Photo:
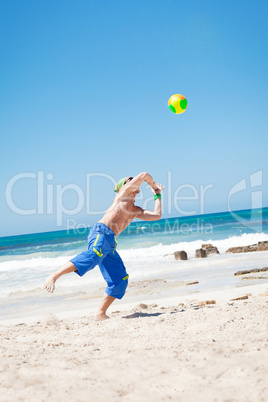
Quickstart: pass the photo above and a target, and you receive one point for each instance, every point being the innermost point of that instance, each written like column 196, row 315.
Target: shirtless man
column 102, row 240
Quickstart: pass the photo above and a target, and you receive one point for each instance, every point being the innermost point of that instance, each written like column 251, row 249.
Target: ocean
column 147, row 251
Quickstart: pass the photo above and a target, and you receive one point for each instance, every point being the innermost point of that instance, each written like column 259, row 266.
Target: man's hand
column 157, row 188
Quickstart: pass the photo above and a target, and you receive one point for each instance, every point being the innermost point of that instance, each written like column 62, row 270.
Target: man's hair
column 128, row 179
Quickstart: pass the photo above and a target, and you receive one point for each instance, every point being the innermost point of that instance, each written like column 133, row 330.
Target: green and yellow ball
column 177, row 103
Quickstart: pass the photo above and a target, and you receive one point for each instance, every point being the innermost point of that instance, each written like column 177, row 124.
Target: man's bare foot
column 49, row 284
column 101, row 317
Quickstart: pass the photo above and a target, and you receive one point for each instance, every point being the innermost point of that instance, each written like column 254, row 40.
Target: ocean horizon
column 196, row 223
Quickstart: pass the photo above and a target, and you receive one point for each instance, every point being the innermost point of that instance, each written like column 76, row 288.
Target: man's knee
column 85, row 261
column 117, row 290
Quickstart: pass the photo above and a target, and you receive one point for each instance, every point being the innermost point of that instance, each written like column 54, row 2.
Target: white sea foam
column 190, row 247
column 33, row 263
column 28, row 274
column 133, row 254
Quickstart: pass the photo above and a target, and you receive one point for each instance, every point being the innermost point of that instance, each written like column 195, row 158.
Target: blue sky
column 84, row 89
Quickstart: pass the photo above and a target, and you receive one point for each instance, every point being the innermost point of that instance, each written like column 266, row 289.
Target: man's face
column 134, row 192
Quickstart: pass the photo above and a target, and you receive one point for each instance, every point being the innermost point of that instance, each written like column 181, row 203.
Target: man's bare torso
column 121, row 213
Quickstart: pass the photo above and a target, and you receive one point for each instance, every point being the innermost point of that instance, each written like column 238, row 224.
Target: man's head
column 121, row 182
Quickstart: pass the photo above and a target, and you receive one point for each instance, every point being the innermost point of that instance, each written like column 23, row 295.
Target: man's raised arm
column 138, row 180
column 156, row 214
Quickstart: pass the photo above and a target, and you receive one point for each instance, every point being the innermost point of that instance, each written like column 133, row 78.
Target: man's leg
column 81, row 263
column 49, row 284
column 106, row 302
column 114, row 272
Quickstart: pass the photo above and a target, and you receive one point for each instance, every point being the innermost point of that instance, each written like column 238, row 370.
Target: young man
column 102, row 240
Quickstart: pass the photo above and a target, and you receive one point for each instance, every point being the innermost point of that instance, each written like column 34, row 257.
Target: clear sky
column 84, row 89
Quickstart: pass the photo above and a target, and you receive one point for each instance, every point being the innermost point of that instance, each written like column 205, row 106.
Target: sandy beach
column 176, row 349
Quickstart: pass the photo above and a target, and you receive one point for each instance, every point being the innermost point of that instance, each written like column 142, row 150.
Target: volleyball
column 177, row 103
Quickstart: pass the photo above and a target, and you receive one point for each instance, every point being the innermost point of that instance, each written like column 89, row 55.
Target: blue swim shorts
column 102, row 252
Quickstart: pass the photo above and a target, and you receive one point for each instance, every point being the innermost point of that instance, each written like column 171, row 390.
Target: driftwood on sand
column 249, row 271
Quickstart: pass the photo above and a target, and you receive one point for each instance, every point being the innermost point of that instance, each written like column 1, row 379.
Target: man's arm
column 137, row 181
column 147, row 215
column 156, row 214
